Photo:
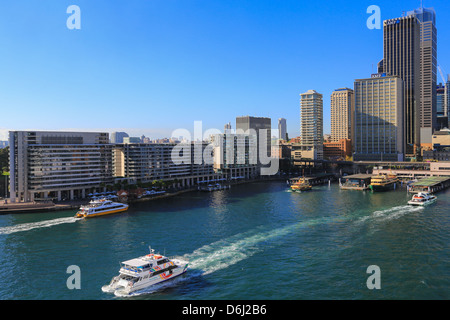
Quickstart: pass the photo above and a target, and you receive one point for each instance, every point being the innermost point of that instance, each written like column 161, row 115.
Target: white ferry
column 100, row 207
column 143, row 272
column 422, row 199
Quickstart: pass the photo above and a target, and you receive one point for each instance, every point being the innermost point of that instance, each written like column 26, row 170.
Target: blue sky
column 153, row 66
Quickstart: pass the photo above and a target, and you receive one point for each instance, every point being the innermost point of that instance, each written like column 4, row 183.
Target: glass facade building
column 379, row 119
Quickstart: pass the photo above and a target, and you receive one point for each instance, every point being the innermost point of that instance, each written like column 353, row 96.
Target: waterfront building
column 282, row 129
column 402, row 58
column 341, row 114
column 235, row 155
column 379, row 119
column 58, row 165
column 117, row 137
column 340, row 150
column 311, row 123
column 428, row 72
column 256, row 126
column 185, row 163
column 440, row 146
column 282, row 151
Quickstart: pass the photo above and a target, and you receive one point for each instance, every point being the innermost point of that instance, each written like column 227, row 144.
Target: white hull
column 123, row 285
column 424, row 203
column 120, row 290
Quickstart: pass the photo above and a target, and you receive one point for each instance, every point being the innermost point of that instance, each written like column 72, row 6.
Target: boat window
column 163, row 261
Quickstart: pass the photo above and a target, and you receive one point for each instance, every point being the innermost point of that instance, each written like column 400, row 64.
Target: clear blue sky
column 152, row 66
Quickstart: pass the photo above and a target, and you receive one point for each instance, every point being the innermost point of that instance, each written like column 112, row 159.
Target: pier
column 430, row 185
column 355, row 182
column 317, row 179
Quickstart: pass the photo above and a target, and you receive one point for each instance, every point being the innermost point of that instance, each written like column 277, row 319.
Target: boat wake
column 227, row 252
column 391, row 213
column 37, row 225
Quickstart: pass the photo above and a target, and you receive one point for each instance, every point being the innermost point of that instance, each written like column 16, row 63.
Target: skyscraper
column 428, row 72
column 378, row 132
column 227, row 128
column 402, row 58
column 341, row 114
column 247, row 123
column 282, row 130
column 311, row 122
column 443, row 105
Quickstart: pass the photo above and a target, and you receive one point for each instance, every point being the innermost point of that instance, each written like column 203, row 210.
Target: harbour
column 323, row 240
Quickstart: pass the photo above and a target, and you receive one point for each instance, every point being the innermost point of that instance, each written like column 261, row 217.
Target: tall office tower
column 447, row 98
column 227, row 128
column 402, row 59
column 243, row 124
column 442, row 106
column 341, row 114
column 117, row 137
column 311, row 123
column 428, row 72
column 282, row 129
column 378, row 133
column 51, row 164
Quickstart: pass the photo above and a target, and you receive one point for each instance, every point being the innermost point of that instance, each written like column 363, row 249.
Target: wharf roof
column 430, row 181
column 358, row 176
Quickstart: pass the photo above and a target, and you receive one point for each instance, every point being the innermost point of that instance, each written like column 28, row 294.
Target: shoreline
column 28, row 207
column 18, row 208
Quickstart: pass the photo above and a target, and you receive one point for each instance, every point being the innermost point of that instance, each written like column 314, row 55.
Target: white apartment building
column 57, row 165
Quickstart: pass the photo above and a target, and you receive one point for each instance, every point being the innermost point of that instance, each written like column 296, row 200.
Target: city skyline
column 105, row 87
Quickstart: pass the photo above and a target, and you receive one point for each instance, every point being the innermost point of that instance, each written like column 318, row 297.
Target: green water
column 255, row 241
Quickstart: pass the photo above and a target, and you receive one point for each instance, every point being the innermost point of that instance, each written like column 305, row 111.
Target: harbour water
column 254, row 241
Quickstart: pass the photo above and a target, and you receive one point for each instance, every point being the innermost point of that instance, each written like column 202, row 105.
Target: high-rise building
column 117, row 137
column 447, row 99
column 378, row 133
column 282, row 129
column 341, row 114
column 246, row 124
column 402, row 52
column 235, row 155
column 428, row 72
column 51, row 164
column 227, row 128
column 311, row 123
column 442, row 106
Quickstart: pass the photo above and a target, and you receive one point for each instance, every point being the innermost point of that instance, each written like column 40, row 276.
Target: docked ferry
column 383, row 182
column 143, row 272
column 301, row 185
column 422, row 199
column 100, row 207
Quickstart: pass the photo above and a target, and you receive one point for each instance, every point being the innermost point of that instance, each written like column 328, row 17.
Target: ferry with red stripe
column 143, row 272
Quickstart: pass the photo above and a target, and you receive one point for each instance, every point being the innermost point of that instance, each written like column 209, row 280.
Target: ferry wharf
column 430, row 185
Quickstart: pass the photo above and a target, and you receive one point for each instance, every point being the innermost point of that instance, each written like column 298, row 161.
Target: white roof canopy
column 135, row 262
